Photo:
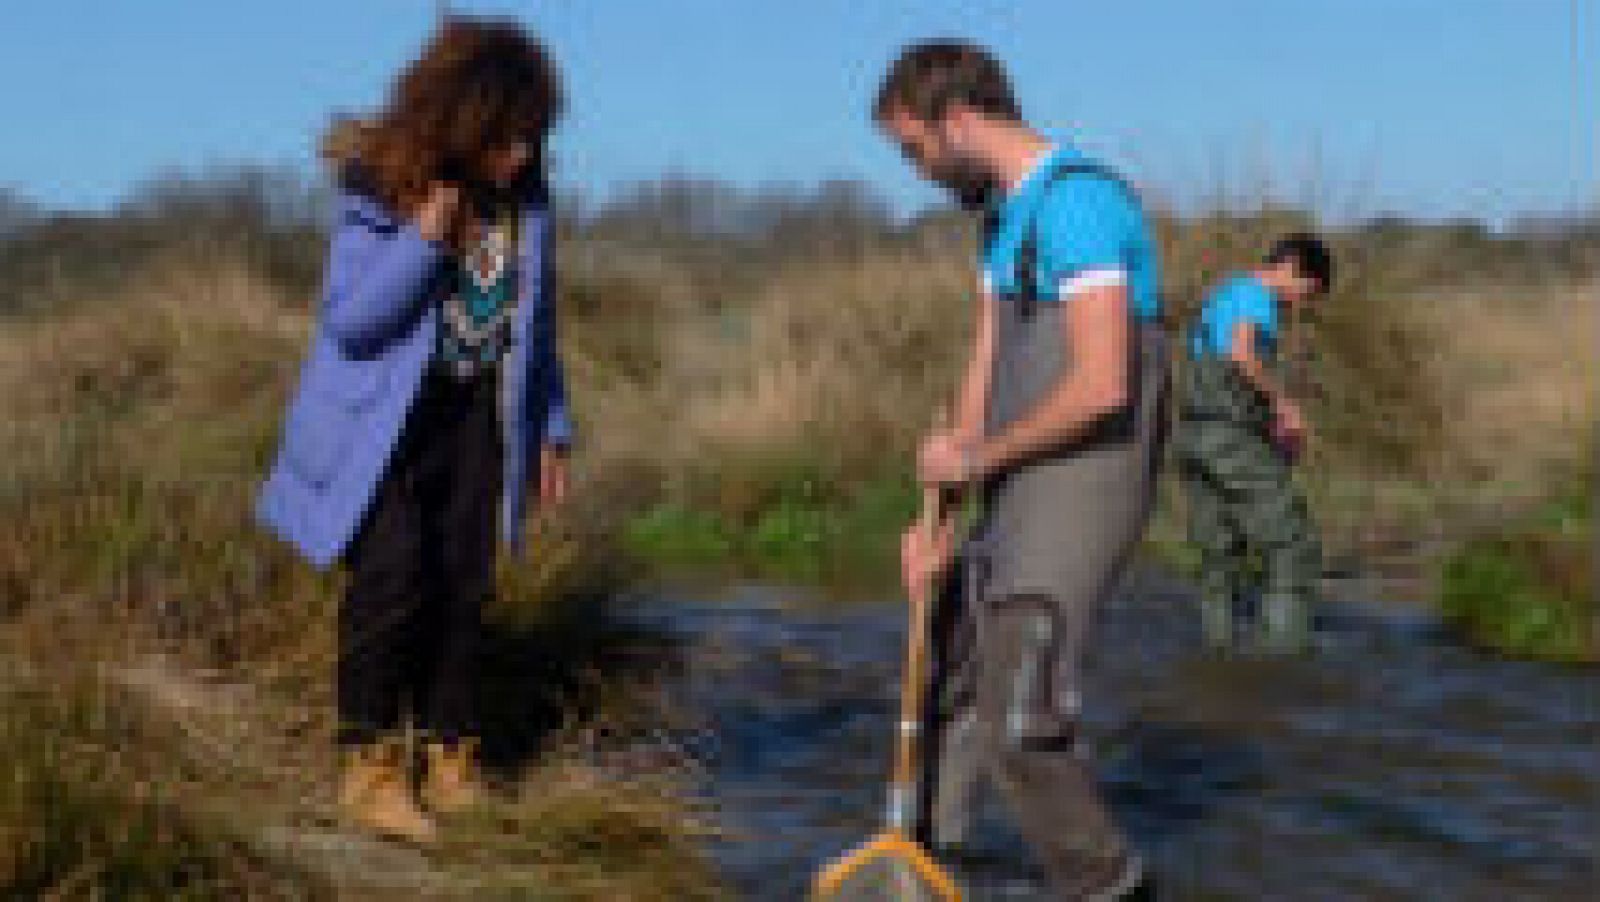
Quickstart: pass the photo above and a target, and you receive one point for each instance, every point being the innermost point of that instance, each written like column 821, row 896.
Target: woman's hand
column 436, row 218
column 553, row 475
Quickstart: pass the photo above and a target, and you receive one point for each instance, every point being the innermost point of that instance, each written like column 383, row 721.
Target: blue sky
column 1428, row 107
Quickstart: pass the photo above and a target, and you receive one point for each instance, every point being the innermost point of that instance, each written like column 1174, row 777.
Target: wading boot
column 1285, row 625
column 1216, row 622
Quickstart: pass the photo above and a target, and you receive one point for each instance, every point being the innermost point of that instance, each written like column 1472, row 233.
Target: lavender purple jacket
column 375, row 332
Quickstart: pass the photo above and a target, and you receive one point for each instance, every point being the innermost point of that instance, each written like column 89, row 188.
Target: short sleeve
column 1083, row 236
column 1217, row 320
column 1253, row 305
column 1243, row 301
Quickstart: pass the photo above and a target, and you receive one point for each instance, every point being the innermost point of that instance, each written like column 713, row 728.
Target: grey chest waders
column 1052, row 539
column 1052, row 518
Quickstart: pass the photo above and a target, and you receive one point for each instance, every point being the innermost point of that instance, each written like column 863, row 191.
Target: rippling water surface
column 1394, row 765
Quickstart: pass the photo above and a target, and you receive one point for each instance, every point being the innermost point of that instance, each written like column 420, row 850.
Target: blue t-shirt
column 1090, row 232
column 1241, row 299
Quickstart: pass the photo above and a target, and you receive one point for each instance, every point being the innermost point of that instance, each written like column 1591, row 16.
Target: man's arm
column 1290, row 423
column 1242, row 352
column 972, row 397
column 1096, row 330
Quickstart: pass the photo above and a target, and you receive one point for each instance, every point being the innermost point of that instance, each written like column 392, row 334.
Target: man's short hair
column 930, row 76
column 1310, row 254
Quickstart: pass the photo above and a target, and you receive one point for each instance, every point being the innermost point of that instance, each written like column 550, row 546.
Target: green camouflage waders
column 1246, row 516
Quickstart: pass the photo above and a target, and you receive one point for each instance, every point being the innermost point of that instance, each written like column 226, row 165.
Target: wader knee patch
column 1034, row 709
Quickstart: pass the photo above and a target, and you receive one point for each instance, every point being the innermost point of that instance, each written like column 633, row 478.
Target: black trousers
column 421, row 568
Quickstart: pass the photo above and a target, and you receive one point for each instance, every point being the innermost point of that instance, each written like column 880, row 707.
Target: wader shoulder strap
column 1026, row 274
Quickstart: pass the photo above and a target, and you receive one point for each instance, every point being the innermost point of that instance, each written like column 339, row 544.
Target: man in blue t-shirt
column 1057, row 424
column 1239, row 433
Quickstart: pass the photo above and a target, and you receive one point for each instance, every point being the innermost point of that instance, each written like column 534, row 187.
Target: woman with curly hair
column 430, row 400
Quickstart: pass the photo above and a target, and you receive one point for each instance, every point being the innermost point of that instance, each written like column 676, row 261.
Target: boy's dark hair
column 931, row 75
column 1310, row 254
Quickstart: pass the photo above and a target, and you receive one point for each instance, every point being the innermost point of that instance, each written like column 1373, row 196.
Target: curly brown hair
column 479, row 85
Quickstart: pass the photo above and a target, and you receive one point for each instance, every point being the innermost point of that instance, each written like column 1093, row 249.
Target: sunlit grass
column 168, row 732
column 1529, row 589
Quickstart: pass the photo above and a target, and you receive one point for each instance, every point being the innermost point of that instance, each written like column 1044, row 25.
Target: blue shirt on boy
column 1241, row 299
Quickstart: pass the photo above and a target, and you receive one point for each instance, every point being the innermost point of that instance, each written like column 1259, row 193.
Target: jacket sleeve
column 544, row 359
column 376, row 277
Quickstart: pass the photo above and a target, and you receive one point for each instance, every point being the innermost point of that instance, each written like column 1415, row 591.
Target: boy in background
column 1238, row 436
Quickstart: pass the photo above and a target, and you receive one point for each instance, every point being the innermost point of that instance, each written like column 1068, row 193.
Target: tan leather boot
column 375, row 793
column 451, row 780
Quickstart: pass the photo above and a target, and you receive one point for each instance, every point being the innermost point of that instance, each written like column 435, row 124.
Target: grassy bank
column 801, row 535
column 167, row 721
column 1529, row 589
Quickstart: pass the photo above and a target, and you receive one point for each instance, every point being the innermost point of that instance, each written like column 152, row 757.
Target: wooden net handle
column 913, row 676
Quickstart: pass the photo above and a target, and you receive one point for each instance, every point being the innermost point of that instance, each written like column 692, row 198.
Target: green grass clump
column 842, row 536
column 1530, row 591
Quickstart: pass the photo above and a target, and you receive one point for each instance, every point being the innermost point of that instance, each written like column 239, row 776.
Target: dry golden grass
column 1518, row 365
column 839, row 362
column 703, row 394
column 174, row 663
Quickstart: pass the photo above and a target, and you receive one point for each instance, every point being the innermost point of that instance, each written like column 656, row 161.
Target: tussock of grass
column 91, row 805
column 1529, row 589
column 579, row 833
